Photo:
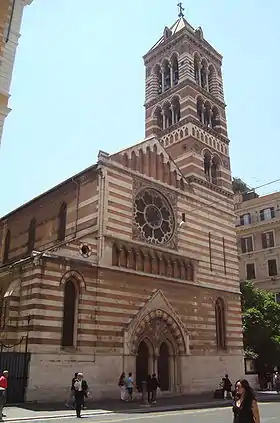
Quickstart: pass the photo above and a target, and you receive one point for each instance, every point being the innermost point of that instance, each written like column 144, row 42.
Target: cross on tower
column 180, row 10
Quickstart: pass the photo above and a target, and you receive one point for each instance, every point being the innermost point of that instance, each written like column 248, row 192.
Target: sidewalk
column 29, row 412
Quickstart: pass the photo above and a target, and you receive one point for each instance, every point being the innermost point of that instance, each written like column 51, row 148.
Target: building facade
column 132, row 264
column 11, row 12
column 258, row 238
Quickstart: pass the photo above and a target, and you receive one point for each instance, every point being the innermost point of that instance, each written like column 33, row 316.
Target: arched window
column 159, row 117
column 158, row 75
column 176, row 109
column 141, row 161
column 215, row 117
column 207, row 114
column 141, row 262
column 61, row 232
column 212, row 79
column 197, row 68
column 69, row 314
column 31, row 236
column 207, row 165
column 125, row 160
column 7, row 245
column 167, row 115
column 203, row 75
column 199, row 108
column 220, row 324
column 175, row 70
column 215, row 170
column 115, row 255
column 132, row 259
column 133, row 161
column 166, row 76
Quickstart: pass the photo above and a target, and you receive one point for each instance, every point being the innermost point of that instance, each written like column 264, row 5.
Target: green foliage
column 261, row 325
column 239, row 186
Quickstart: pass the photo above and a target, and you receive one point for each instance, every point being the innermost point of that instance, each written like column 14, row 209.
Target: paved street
column 270, row 413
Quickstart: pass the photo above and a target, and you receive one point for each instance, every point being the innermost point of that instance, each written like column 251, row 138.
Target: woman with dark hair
column 245, row 408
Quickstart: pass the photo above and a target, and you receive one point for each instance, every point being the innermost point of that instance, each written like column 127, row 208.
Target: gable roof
column 150, row 143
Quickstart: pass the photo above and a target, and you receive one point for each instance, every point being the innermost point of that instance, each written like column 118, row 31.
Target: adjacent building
column 258, row 238
column 11, row 12
column 132, row 264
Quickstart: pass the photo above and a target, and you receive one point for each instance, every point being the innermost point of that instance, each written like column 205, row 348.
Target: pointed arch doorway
column 142, row 363
column 163, row 367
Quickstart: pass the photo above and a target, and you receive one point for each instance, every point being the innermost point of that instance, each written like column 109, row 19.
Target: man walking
column 3, row 389
column 80, row 387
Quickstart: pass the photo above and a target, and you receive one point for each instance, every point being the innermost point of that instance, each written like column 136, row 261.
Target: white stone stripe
column 123, row 220
column 84, row 203
column 123, row 202
column 113, row 209
column 116, row 227
column 82, row 220
column 119, row 174
column 121, row 184
column 113, row 190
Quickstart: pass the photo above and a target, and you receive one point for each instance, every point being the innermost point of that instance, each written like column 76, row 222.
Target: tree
column 239, row 186
column 261, row 326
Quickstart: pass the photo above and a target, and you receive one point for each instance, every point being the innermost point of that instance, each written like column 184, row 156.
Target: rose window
column 153, row 216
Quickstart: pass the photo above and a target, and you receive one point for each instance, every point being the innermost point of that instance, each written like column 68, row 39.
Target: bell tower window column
column 162, row 79
column 173, row 114
column 207, row 80
column 164, row 119
column 171, row 76
column 199, row 74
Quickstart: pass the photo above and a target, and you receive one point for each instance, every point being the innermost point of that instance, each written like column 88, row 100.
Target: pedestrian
column 71, row 400
column 3, row 392
column 245, row 406
column 155, row 386
column 129, row 386
column 227, row 385
column 79, row 387
column 149, row 388
column 122, row 386
column 277, row 382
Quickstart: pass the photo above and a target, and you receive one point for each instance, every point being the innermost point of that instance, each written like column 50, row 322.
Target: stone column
column 171, row 76
column 162, row 79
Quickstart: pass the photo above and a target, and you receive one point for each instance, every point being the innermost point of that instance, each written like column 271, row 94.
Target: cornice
column 261, row 224
column 196, row 122
column 183, row 84
column 210, row 186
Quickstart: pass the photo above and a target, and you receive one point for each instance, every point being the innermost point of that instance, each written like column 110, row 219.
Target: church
column 131, row 265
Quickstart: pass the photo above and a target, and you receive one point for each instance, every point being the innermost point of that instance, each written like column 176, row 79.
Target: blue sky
column 78, row 86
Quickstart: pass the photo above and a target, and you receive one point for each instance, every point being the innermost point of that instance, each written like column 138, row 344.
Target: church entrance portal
column 163, row 367
column 142, row 363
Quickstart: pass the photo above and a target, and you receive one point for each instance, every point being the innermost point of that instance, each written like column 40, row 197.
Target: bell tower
column 185, row 105
column 11, row 12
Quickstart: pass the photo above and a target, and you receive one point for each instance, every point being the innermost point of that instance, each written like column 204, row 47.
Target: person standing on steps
column 79, row 387
column 3, row 392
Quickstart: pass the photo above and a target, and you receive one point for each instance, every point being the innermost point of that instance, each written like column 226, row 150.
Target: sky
column 78, row 86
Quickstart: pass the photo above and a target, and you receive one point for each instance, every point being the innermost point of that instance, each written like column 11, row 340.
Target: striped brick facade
column 182, row 293
column 11, row 12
